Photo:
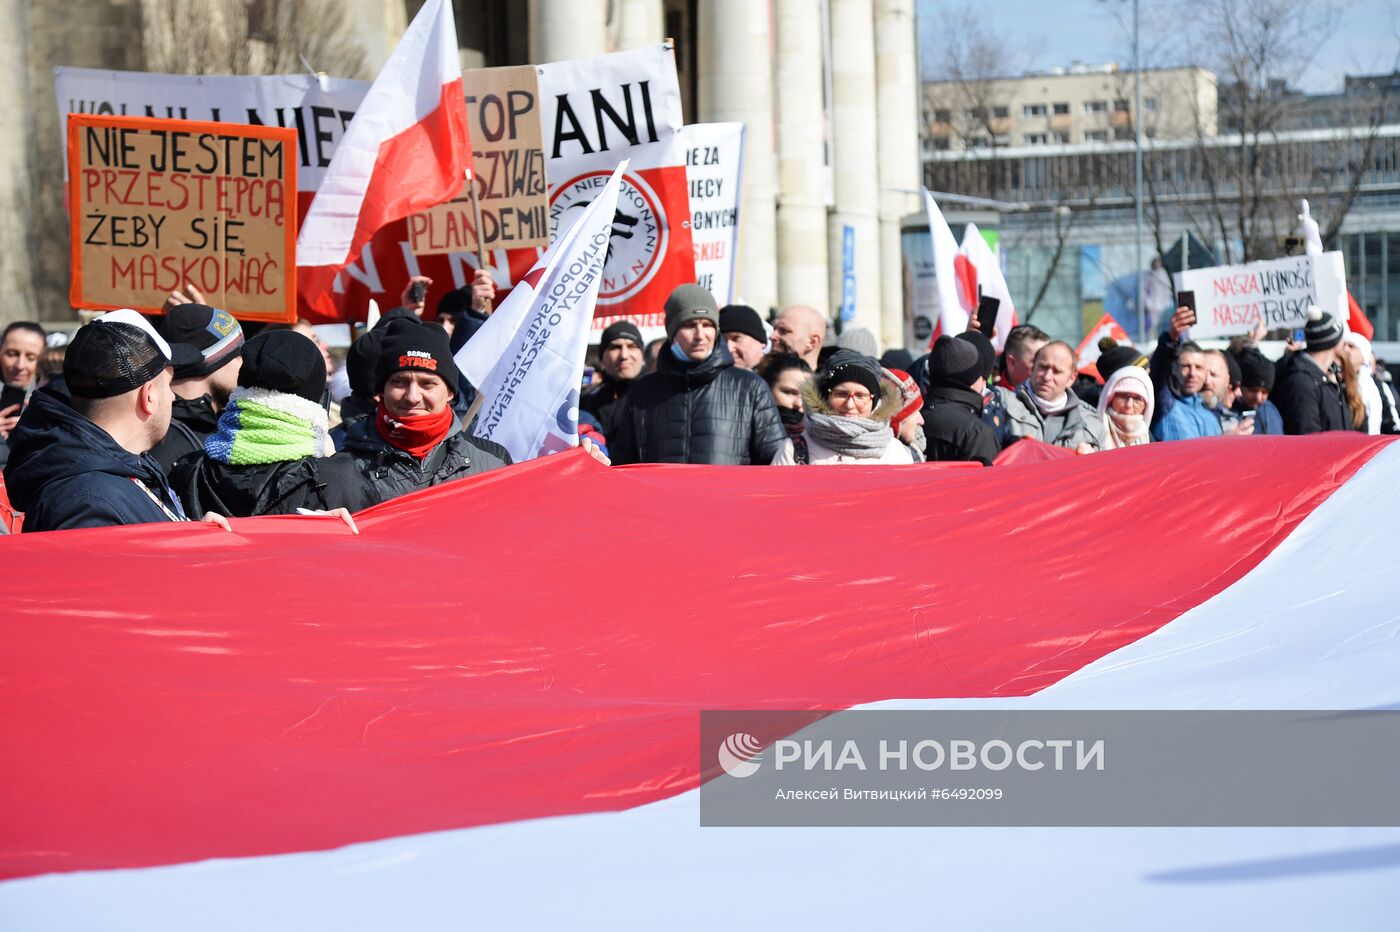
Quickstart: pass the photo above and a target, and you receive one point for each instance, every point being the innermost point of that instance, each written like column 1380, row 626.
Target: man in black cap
column 414, row 439
column 1308, row 390
column 272, row 453
column 743, row 332
column 697, row 407
column 202, row 387
column 84, row 461
column 953, row 404
column 621, row 361
column 1256, row 382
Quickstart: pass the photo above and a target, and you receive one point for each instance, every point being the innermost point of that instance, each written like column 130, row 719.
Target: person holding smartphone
column 1179, row 372
column 20, row 348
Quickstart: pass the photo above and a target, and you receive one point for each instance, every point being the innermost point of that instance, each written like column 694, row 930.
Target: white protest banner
column 595, row 113
column 1234, row 299
column 527, row 359
column 320, row 110
column 714, row 165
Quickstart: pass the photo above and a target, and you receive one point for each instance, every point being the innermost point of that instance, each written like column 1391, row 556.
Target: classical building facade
column 827, row 88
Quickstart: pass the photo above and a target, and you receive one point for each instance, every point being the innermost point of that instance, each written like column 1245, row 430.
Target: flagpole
column 481, row 251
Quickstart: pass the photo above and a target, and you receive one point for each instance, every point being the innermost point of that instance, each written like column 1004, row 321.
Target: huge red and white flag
column 527, row 359
column 250, row 744
column 407, row 149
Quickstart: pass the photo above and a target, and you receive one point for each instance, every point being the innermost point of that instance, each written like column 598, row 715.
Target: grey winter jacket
column 1079, row 424
column 392, row 472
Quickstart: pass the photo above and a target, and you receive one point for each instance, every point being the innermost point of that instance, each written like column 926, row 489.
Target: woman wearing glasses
column 849, row 405
column 1125, row 404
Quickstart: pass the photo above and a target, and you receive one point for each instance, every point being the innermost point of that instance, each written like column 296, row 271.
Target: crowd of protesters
column 146, row 419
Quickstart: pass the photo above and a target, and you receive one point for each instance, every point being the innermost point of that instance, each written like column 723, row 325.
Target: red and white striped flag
column 435, row 749
column 407, row 149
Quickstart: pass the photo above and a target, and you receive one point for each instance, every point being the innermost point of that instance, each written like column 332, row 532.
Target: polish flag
column 952, row 311
column 527, row 359
column 959, row 271
column 406, row 150
column 445, row 747
column 986, row 276
column 1088, row 352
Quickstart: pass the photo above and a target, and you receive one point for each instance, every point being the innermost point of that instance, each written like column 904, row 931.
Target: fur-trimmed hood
column 890, row 400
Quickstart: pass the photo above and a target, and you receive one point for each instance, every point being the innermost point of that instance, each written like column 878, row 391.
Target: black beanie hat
column 622, row 330
column 985, row 351
column 360, row 361
column 850, row 366
column 1322, row 330
column 1255, row 370
column 898, row 358
column 740, row 318
column 1113, row 356
column 413, row 346
column 1234, row 367
column 284, row 361
column 456, row 301
column 954, row 362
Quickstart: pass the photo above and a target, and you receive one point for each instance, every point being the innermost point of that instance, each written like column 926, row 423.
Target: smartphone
column 587, row 376
column 12, row 395
column 1300, row 336
column 1187, row 299
column 417, row 292
column 987, row 314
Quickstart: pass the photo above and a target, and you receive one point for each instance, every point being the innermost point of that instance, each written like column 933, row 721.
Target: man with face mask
column 697, row 407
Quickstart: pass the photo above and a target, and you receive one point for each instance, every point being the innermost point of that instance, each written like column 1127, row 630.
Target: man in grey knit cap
column 696, row 407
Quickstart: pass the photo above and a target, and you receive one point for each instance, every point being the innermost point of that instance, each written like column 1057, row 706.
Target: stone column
column 801, row 218
column 897, row 110
column 637, row 23
column 564, row 29
column 736, row 84
column 856, row 142
column 17, row 239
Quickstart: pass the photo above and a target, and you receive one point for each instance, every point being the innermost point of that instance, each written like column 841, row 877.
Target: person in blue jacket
column 1179, row 373
column 83, row 459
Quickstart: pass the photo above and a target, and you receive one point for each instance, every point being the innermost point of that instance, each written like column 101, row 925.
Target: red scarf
column 415, row 434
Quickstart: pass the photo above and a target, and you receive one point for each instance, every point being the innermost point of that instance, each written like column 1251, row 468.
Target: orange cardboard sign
column 156, row 204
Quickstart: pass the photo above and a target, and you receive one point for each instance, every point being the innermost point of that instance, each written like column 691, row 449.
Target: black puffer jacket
column 66, row 472
column 604, row 401
column 191, row 421
column 392, row 472
column 698, row 412
column 1308, row 402
column 953, row 426
column 319, row 483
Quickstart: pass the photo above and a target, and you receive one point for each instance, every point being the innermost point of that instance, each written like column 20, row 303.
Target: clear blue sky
column 1042, row 33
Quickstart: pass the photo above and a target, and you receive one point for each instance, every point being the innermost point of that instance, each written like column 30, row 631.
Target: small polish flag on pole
column 407, row 149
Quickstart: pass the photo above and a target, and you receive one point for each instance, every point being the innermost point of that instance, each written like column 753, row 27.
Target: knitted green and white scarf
column 262, row 426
